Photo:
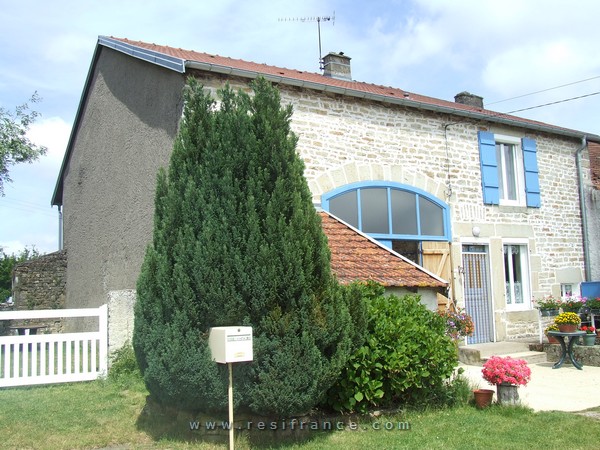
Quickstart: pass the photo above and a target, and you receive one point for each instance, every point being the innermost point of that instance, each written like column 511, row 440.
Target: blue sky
column 496, row 49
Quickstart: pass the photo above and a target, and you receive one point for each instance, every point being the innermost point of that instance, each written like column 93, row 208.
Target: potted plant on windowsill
column 572, row 304
column 567, row 322
column 593, row 304
column 548, row 305
column 507, row 374
column 590, row 338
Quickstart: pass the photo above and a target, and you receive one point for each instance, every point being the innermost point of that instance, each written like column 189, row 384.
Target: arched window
column 390, row 211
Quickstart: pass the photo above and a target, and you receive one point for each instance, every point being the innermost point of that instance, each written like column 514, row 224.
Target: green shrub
column 455, row 391
column 407, row 357
column 123, row 364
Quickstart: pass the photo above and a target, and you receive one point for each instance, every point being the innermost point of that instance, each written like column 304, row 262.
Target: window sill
column 513, row 209
column 522, row 314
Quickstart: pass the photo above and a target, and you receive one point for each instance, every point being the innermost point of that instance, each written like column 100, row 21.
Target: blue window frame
column 390, row 211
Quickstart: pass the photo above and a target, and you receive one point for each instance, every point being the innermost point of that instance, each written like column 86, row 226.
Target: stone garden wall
column 588, row 356
column 40, row 284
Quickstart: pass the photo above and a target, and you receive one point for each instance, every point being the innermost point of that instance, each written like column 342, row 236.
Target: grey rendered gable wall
column 128, row 125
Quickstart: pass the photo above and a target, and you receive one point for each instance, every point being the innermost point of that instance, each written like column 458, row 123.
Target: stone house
column 497, row 208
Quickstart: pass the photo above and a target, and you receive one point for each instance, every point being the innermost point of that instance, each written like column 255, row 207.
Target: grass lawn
column 102, row 414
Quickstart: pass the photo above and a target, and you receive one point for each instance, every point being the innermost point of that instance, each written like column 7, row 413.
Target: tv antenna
column 318, row 19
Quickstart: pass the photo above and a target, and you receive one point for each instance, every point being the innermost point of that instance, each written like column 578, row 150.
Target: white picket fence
column 54, row 358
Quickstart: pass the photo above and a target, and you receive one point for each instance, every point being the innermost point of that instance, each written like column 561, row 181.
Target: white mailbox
column 230, row 344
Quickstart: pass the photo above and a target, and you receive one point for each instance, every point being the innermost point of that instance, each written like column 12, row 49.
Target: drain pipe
column 60, row 228
column 582, row 207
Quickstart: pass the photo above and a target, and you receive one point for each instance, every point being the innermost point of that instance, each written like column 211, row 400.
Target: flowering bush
column 499, row 370
column 547, row 302
column 588, row 330
column 458, row 324
column 567, row 318
column 573, row 304
column 551, row 327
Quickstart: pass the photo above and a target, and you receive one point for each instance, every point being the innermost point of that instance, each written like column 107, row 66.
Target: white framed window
column 570, row 289
column 516, row 276
column 511, row 175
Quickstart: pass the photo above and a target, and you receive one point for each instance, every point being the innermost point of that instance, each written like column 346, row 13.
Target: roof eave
column 158, row 58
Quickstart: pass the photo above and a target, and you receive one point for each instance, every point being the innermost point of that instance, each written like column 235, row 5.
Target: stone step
column 532, row 357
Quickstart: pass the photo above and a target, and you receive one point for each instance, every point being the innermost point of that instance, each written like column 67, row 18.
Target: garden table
column 567, row 350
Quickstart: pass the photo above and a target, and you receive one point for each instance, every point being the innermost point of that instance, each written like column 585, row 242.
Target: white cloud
column 52, row 133
column 27, row 218
column 68, row 48
column 536, row 66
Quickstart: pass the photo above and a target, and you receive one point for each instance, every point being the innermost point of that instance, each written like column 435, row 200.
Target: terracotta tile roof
column 297, row 77
column 355, row 256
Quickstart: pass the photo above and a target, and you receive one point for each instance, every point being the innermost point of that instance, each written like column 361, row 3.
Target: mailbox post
column 228, row 345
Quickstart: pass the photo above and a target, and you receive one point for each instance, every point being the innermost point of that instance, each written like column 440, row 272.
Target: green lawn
column 105, row 413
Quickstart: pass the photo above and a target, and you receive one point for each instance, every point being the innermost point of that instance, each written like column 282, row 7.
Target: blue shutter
column 489, row 168
column 532, row 179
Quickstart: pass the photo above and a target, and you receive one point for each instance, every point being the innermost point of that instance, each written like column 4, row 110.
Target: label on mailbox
column 245, row 337
column 231, row 344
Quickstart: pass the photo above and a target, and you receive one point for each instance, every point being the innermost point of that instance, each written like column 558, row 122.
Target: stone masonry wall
column 518, row 328
column 344, row 141
column 40, row 284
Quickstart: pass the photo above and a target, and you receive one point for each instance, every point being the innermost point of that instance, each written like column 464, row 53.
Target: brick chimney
column 337, row 65
column 466, row 98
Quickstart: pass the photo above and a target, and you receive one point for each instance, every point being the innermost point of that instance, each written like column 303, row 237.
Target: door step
column 531, row 357
column 477, row 354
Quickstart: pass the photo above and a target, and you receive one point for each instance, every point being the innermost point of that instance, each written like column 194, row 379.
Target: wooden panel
column 436, row 259
column 444, row 303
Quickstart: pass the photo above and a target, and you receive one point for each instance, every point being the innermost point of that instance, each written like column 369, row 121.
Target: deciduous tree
column 7, row 264
column 15, row 146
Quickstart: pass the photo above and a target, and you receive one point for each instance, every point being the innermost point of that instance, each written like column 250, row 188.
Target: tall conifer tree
column 237, row 241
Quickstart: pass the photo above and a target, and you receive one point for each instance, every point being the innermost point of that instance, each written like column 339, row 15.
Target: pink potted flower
column 507, row 374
